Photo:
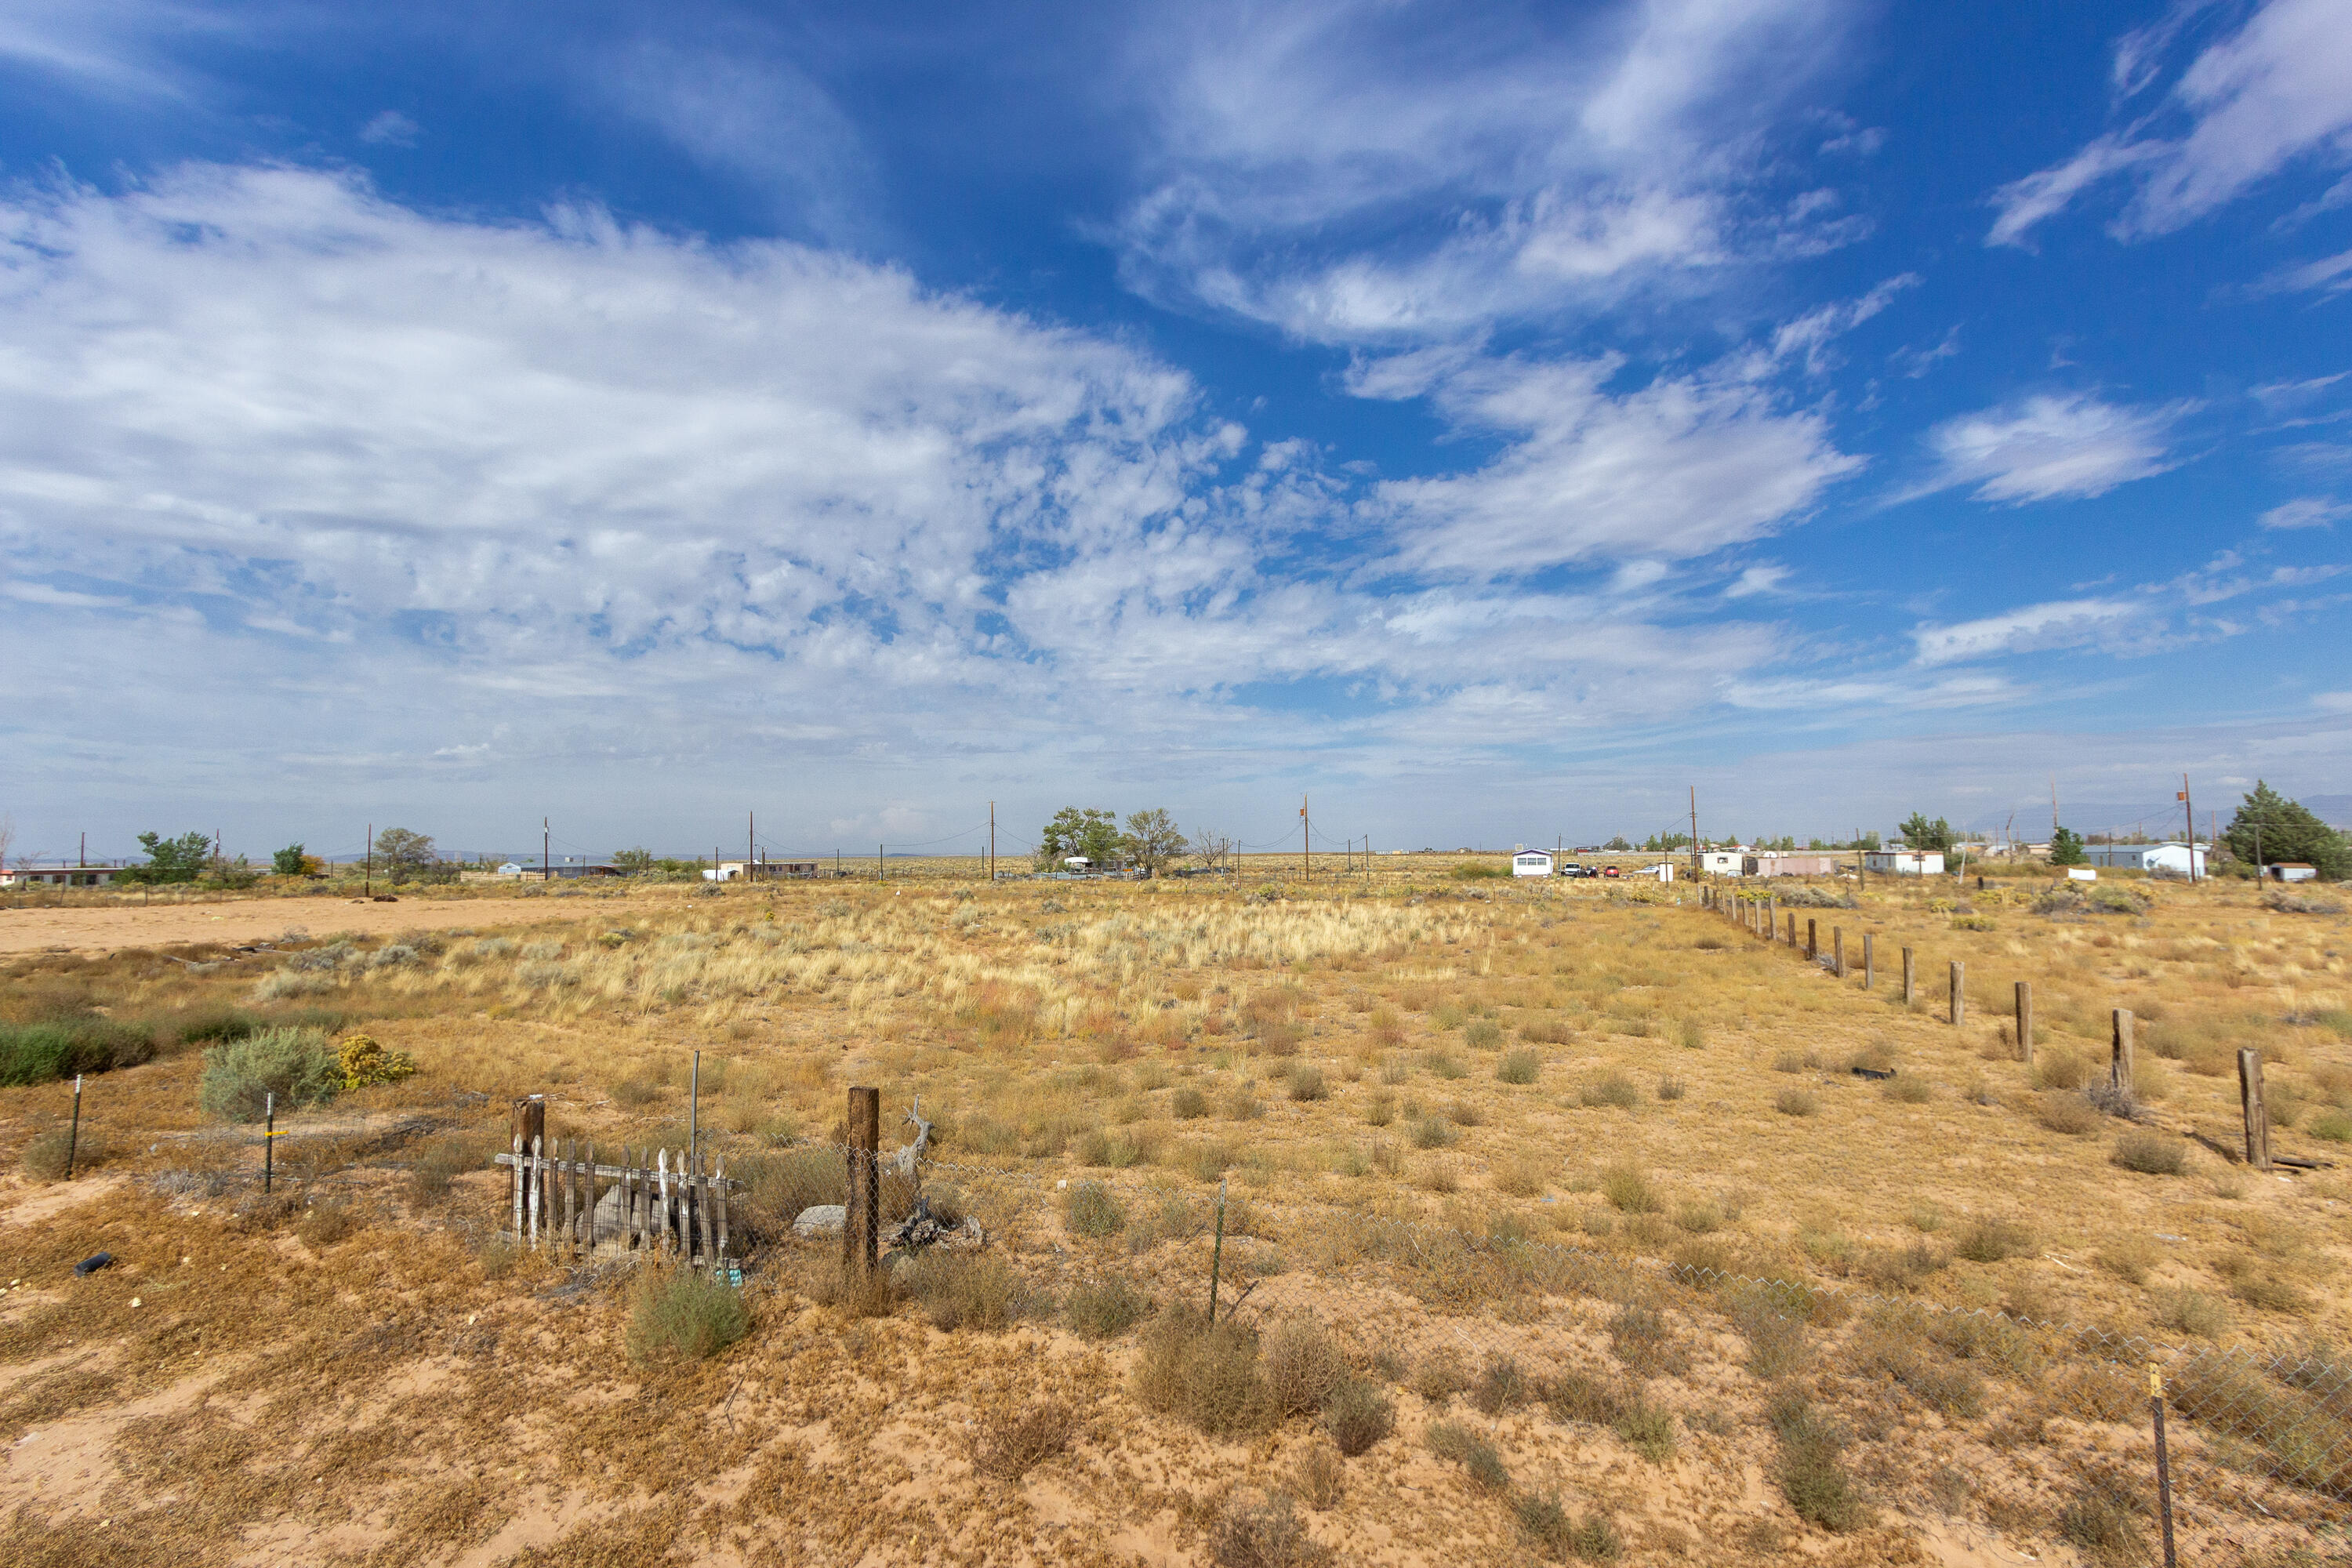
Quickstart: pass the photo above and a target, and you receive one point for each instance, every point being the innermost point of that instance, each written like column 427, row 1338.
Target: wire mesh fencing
column 2025, row 1426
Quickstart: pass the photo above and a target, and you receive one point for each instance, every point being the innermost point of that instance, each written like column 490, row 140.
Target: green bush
column 62, row 1049
column 1485, row 1034
column 1449, row 1441
column 1518, row 1067
column 2334, row 1126
column 1093, row 1211
column 1358, row 1414
column 1559, row 1535
column 2151, row 1153
column 1189, row 1104
column 1810, row 1473
column 44, row 1159
column 1203, row 1374
column 1992, row 1240
column 1610, row 1088
column 959, row 1291
column 684, row 1314
column 1098, row 1309
column 297, row 1065
column 1628, row 1191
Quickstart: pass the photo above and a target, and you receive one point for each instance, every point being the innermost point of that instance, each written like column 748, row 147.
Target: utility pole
column 83, row 858
column 546, row 858
column 750, row 841
column 1698, row 866
column 2189, row 809
column 367, row 884
column 877, row 862
column 1306, row 848
column 2054, row 806
column 992, row 843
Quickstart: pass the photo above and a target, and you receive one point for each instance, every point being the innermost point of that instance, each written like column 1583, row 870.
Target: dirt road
column 102, row 931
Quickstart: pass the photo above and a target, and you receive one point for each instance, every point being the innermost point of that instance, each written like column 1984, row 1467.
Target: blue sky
column 1495, row 421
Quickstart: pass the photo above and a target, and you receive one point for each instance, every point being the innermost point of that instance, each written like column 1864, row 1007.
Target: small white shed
column 2173, row 857
column 1904, row 862
column 1531, row 863
column 1723, row 862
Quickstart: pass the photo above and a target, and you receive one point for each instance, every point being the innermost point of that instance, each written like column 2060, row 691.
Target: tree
column 7, row 839
column 181, row 859
column 1079, row 831
column 291, row 861
column 1211, row 848
column 403, row 854
column 1921, row 833
column 1618, row 843
column 2269, row 828
column 633, row 862
column 1151, row 840
column 2066, row 846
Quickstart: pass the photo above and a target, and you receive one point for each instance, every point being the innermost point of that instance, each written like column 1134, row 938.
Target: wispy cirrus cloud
column 2276, row 90
column 2049, row 446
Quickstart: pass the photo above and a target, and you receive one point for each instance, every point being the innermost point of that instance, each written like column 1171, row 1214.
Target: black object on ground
column 93, row 1263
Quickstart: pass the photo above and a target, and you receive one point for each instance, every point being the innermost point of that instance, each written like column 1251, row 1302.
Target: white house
column 58, row 876
column 1531, row 863
column 1723, row 862
column 2176, row 858
column 2291, row 871
column 1904, row 862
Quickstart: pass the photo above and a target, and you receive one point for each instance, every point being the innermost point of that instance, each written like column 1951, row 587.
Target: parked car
column 1573, row 869
column 1610, row 871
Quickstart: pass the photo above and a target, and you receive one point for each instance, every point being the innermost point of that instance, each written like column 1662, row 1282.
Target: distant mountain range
column 2156, row 821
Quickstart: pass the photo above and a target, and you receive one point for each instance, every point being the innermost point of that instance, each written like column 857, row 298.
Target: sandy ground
column 103, row 931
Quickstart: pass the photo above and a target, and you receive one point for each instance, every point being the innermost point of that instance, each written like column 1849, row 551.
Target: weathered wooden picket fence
column 564, row 1199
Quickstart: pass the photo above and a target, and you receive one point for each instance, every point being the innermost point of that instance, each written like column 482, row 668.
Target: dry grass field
column 1497, row 1158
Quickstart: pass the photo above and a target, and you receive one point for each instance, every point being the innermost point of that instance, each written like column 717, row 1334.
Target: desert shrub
column 2151, row 1153
column 1954, row 1390
column 1628, row 1191
column 1776, row 1339
column 1204, row 1374
column 2100, row 1520
column 1559, row 1535
column 436, row 1165
column 1518, row 1067
column 1790, row 1061
column 635, row 1093
column 1485, row 1034
column 1306, row 1084
column 1269, row 1534
column 1099, row 1308
column 1810, row 1473
column 2059, row 1069
column 1445, row 1066
column 1501, row 1386
column 1242, row 1105
column 1990, row 1240
column 2258, row 1286
column 779, row 1186
column 1008, row 1443
column 2334, row 1126
column 1545, row 1032
column 296, row 1065
column 1302, row 1366
column 1796, row 1102
column 44, row 1159
column 1671, row 1088
column 2189, row 1311
column 1910, row 1090
column 1649, row 1431
column 1322, row 1478
column 1577, row 1396
column 1092, row 1210
column 325, row 1224
column 958, row 1290
column 2070, row 1113
column 1449, row 1441
column 2129, row 1257
column 1438, row 1376
column 62, row 1049
column 685, row 1314
column 1358, row 1414
column 1461, row 1113
column 362, row 1063
column 1644, row 1342
column 1188, row 1104
column 1608, row 1088
column 1434, row 1132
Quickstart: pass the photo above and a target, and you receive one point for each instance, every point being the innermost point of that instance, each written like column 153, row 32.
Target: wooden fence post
column 1910, row 990
column 2026, row 1022
column 1812, row 938
column 1959, row 1002
column 1771, row 917
column 2119, row 1064
column 535, row 1203
column 2257, row 1110
column 861, row 1226
column 1837, row 951
column 528, row 1121
column 1869, row 959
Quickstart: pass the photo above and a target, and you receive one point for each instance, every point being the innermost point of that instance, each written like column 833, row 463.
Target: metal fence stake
column 73, row 1138
column 1217, row 1257
column 268, row 1137
column 2163, row 1461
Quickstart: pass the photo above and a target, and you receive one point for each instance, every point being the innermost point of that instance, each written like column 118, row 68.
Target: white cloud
column 1763, row 579
column 2277, row 89
column 1359, row 170
column 2329, row 274
column 1680, row 468
column 2046, row 448
column 2332, row 701
column 507, row 508
column 391, row 129
column 2033, row 628
column 2305, row 512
